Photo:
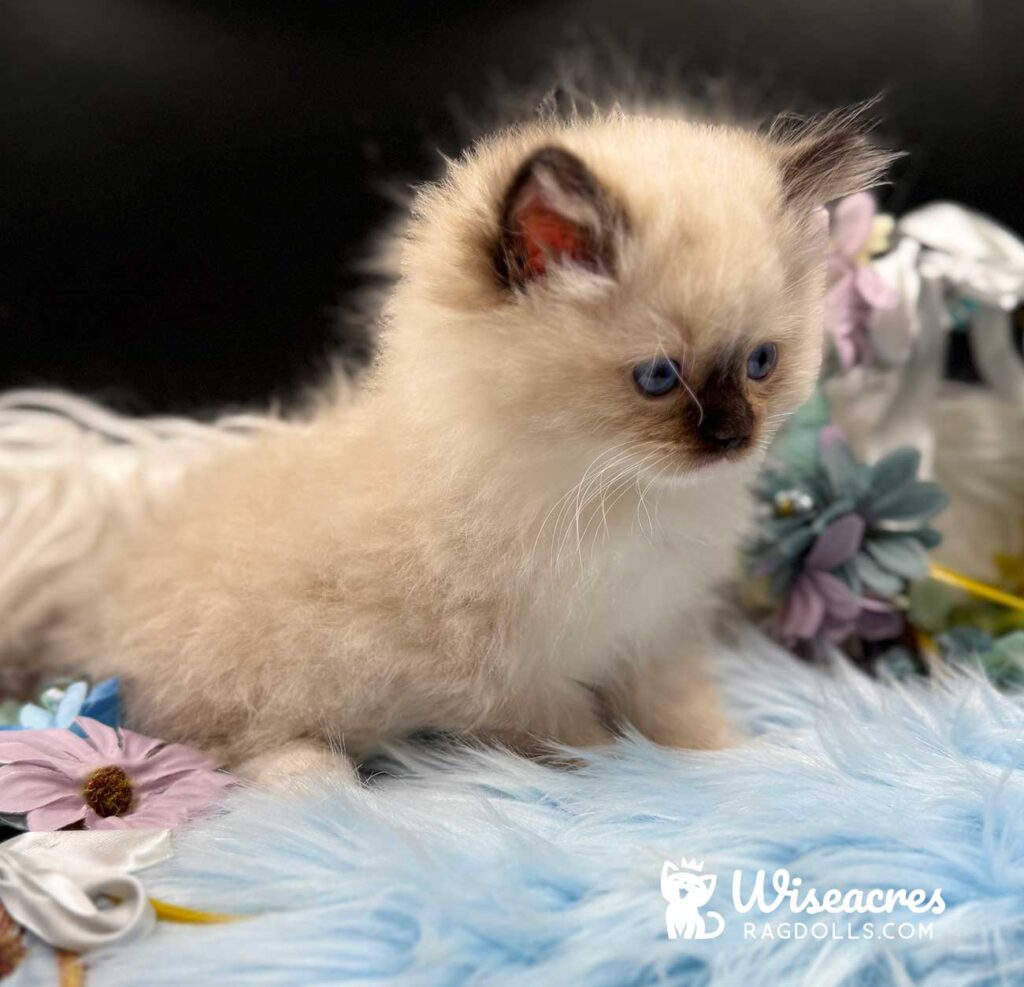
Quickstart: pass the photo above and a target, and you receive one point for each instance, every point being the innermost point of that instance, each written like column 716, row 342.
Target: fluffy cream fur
column 497, row 534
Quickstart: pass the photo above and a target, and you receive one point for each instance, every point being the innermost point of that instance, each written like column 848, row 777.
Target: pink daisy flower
column 855, row 289
column 111, row 779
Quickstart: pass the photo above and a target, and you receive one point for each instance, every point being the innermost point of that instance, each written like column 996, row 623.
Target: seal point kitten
column 514, row 528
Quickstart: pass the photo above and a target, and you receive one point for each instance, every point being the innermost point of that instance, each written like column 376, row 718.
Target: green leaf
column 897, row 662
column 796, row 543
column 776, row 528
column 928, row 537
column 963, row 643
column 841, row 466
column 830, row 513
column 875, row 577
column 917, row 501
column 931, row 603
column 813, row 413
column 905, row 556
column 796, row 445
column 894, row 471
column 1004, row 664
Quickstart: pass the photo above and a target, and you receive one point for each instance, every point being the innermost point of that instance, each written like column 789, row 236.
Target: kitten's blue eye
column 657, row 377
column 761, row 361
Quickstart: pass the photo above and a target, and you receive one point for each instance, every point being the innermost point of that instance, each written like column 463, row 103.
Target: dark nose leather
column 725, row 431
column 726, row 441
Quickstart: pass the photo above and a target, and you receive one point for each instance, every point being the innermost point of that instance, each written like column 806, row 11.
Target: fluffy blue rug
column 481, row 868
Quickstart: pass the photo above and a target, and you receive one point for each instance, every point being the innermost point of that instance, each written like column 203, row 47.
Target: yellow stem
column 175, row 913
column 953, row 578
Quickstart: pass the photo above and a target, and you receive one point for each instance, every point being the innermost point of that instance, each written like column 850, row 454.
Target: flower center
column 108, row 792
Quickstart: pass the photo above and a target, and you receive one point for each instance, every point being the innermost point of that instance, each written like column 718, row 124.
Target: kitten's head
column 626, row 283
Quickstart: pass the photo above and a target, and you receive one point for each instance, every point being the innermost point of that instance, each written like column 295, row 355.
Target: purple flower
column 111, row 779
column 854, row 287
column 820, row 604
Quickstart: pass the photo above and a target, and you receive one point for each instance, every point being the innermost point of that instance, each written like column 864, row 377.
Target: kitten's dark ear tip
column 554, row 211
column 830, row 156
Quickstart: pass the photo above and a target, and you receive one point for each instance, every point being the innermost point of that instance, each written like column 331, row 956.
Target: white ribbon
column 75, row 890
column 945, row 251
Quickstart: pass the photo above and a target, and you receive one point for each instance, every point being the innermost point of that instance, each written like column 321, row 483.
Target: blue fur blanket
column 482, row 868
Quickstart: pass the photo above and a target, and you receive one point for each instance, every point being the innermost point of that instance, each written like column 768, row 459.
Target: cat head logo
column 687, row 889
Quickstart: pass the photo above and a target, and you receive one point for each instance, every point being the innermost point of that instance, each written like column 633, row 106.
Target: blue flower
column 101, row 703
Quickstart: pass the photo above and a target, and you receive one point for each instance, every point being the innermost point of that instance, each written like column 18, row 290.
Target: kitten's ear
column 830, row 156
column 555, row 212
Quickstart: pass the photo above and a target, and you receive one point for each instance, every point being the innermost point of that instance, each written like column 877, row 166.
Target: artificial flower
column 896, row 508
column 820, row 604
column 839, row 541
column 1001, row 659
column 855, row 289
column 804, row 495
column 106, row 779
column 61, row 703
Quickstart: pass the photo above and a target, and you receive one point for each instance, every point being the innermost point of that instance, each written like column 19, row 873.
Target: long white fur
column 496, row 525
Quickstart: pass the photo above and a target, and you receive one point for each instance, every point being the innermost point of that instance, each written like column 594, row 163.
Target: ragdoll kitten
column 513, row 530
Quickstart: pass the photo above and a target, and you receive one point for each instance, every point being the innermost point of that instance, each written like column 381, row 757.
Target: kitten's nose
column 725, row 432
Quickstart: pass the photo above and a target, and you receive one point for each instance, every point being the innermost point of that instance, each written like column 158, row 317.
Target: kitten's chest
column 638, row 597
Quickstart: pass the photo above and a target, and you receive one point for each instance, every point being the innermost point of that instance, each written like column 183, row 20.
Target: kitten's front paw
column 297, row 766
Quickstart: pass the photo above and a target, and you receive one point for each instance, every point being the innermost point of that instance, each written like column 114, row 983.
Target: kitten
column 514, row 529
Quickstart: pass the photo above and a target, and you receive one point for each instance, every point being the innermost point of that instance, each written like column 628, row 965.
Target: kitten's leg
column 295, row 765
column 675, row 704
column 569, row 714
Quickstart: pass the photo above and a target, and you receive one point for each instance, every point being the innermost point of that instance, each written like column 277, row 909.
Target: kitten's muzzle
column 726, row 428
column 720, row 420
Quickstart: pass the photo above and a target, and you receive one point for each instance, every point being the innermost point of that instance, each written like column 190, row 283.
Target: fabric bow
column 945, row 253
column 75, row 890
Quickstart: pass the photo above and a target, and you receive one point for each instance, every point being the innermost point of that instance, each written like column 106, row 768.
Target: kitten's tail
column 72, row 476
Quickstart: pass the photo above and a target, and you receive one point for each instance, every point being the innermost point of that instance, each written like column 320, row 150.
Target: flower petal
column 837, row 543
column 187, row 797
column 92, row 820
column 46, row 747
column 149, row 819
column 852, row 219
column 26, row 787
column 58, row 814
column 803, row 612
column 70, row 704
column 33, row 717
column 846, row 350
column 138, row 747
column 840, row 601
column 836, row 629
column 168, row 764
column 875, row 292
column 103, row 738
column 879, row 625
column 103, row 703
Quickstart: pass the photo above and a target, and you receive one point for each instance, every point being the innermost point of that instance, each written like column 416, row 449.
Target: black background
column 184, row 187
